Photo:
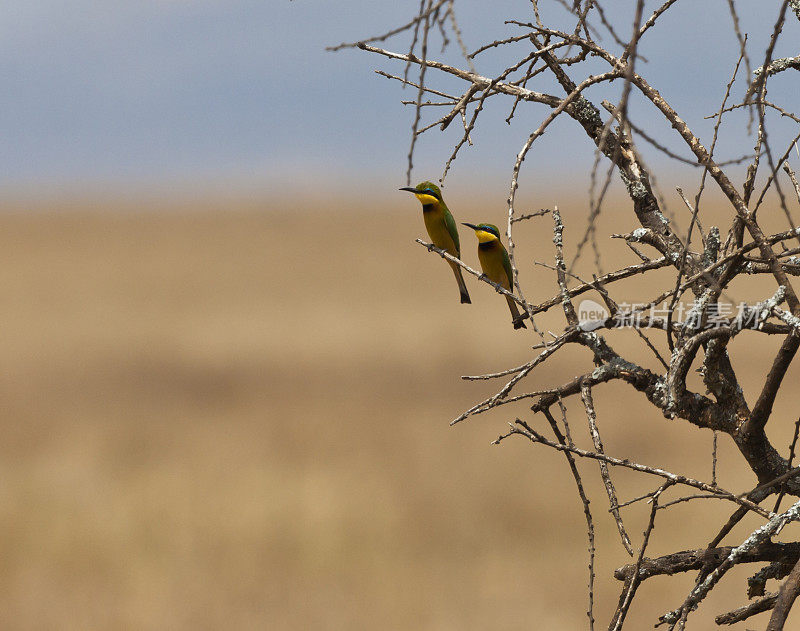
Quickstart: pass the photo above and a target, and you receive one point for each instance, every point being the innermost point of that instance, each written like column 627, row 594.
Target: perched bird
column 496, row 264
column 441, row 227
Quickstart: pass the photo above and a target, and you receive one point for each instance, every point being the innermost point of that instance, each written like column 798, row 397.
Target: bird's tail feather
column 462, row 286
column 515, row 316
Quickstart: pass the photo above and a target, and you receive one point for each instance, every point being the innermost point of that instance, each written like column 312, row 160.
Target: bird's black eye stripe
column 490, row 230
column 431, row 192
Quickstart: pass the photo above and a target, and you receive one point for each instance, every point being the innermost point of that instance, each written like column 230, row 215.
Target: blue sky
column 176, row 94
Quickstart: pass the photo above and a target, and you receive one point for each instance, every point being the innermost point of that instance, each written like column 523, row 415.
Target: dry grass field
column 235, row 416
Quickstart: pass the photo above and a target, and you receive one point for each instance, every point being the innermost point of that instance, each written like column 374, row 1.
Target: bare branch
column 591, row 415
column 762, row 534
column 763, row 407
column 779, row 65
column 634, row 579
column 524, row 429
column 743, row 613
column 701, row 335
column 786, row 597
column 387, row 35
column 586, row 511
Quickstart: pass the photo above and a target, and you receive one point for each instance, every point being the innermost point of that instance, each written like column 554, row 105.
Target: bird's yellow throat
column 426, row 199
column 485, row 237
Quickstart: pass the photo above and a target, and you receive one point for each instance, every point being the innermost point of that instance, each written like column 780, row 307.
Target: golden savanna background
column 227, row 371
column 229, row 415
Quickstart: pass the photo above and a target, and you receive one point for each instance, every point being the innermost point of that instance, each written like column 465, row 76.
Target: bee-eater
column 441, row 227
column 496, row 264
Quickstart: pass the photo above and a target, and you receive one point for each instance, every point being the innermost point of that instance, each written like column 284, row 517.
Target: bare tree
column 705, row 262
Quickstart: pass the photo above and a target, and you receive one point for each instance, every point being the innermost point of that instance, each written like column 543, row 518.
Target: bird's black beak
column 410, row 189
column 469, row 225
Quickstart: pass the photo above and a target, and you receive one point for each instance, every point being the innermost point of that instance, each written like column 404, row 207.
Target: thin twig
column 634, row 579
column 586, row 511
column 523, row 429
column 788, row 464
column 591, row 415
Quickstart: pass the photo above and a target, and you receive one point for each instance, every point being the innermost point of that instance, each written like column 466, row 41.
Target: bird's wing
column 507, row 268
column 450, row 223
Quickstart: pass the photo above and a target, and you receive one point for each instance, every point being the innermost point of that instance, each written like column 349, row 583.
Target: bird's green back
column 450, row 223
column 507, row 266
